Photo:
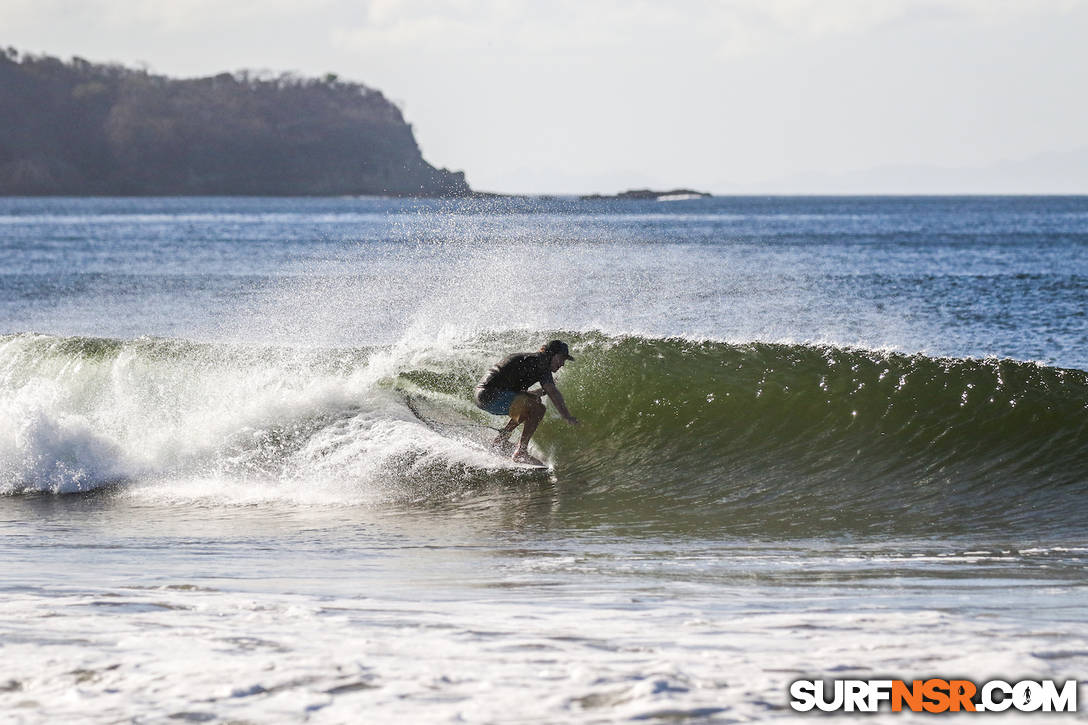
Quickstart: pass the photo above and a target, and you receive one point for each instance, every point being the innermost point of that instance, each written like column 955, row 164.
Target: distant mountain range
column 1049, row 173
column 81, row 128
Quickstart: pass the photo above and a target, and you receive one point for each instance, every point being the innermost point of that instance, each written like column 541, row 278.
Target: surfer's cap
column 558, row 347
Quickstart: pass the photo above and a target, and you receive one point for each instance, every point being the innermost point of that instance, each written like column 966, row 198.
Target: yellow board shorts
column 520, row 407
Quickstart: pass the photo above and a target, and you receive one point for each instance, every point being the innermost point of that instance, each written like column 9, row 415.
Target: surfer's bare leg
column 504, row 436
column 536, row 414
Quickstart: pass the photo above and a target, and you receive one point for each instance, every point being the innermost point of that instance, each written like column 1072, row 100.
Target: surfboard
column 449, row 424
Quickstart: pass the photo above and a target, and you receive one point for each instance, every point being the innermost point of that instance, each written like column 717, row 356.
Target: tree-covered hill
column 83, row 128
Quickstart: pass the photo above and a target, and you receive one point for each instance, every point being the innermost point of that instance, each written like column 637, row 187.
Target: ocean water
column 821, row 438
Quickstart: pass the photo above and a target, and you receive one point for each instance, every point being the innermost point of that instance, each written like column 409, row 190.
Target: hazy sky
column 595, row 95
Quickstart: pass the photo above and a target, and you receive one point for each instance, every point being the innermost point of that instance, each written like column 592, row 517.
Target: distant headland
column 80, row 128
column 650, row 195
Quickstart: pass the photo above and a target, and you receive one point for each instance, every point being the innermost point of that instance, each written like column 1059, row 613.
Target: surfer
column 505, row 391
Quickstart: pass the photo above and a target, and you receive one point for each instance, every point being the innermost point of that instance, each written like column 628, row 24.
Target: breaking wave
column 780, row 438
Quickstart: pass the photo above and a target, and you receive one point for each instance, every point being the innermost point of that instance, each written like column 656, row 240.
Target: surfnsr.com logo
column 933, row 695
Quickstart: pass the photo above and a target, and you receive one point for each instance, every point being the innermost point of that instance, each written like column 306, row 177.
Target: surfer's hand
column 573, row 421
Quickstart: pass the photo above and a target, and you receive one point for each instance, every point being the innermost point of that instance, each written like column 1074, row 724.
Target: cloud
column 174, row 15
column 729, row 27
column 715, row 28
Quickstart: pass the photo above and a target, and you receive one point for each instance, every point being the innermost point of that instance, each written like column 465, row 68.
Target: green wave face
column 781, row 437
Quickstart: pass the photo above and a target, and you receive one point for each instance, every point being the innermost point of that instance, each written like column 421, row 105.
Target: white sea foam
column 585, row 653
column 172, row 419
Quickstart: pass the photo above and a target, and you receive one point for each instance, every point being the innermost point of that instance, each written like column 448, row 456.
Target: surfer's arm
column 561, row 405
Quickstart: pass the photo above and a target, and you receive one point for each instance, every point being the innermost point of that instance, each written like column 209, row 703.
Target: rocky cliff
column 80, row 128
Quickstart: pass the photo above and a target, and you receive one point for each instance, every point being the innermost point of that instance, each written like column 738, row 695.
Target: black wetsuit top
column 515, row 372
